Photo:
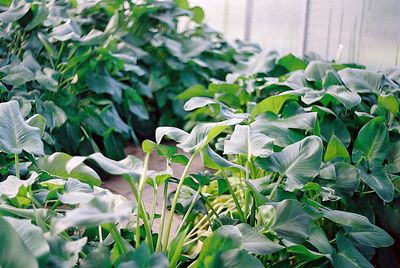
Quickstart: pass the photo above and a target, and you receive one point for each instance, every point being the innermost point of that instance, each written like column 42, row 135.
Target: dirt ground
column 119, row 186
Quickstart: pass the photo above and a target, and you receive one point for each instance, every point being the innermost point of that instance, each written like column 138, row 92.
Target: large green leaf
column 56, row 165
column 245, row 140
column 335, row 150
column 271, row 104
column 14, row 253
column 299, row 162
column 33, row 238
column 316, row 70
column 292, row 222
column 348, row 256
column 380, row 182
column 348, row 98
column 342, row 177
column 359, row 228
column 372, row 143
column 199, row 137
column 255, row 242
column 15, row 134
column 393, row 165
column 17, row 9
column 223, row 249
column 362, row 81
column 101, row 209
column 12, row 186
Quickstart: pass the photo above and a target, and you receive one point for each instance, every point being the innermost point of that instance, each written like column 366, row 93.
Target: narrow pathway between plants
column 117, row 185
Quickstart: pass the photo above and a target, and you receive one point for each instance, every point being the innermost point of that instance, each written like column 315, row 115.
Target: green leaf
column 372, row 143
column 299, row 162
column 271, row 104
column 222, row 249
column 176, row 246
column 342, row 177
column 380, row 182
column 101, row 209
column 13, row 251
column 102, row 82
column 198, row 14
column 194, row 91
column 292, row 222
column 12, row 186
column 348, row 256
column 15, row 134
column 17, row 9
column 37, row 121
column 292, row 63
column 359, row 228
column 393, row 165
column 56, row 165
column 362, row 81
column 336, row 149
column 33, row 238
column 389, row 102
column 245, row 140
column 316, row 70
column 255, row 242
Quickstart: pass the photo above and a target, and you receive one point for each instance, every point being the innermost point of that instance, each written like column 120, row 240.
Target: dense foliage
column 103, row 73
column 306, row 160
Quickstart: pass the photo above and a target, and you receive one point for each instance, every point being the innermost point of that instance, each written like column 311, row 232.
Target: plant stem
column 142, row 212
column 189, row 210
column 141, row 186
column 100, row 234
column 175, row 201
column 234, row 197
column 17, row 173
column 164, row 211
column 118, row 239
column 272, row 194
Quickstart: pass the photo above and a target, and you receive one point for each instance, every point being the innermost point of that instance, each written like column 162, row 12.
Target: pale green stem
column 234, row 197
column 189, row 210
column 100, row 234
column 162, row 220
column 141, row 186
column 142, row 212
column 175, row 201
column 272, row 194
column 153, row 205
column 118, row 239
column 17, row 173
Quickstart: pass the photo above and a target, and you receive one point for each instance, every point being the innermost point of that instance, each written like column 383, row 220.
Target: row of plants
column 105, row 73
column 303, row 172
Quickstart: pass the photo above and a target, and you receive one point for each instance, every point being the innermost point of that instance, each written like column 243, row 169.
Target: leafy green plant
column 103, row 73
column 330, row 129
column 302, row 183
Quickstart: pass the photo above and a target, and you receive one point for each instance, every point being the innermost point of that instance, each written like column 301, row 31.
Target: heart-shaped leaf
column 299, row 162
column 15, row 134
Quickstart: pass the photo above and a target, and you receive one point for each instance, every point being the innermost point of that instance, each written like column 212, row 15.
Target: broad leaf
column 380, row 182
column 362, row 81
column 336, row 150
column 15, row 134
column 56, row 165
column 299, row 162
column 255, row 242
column 271, row 104
column 245, row 140
column 292, row 222
column 372, row 143
column 13, row 251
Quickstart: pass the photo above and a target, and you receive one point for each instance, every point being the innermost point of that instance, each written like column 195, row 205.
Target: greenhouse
column 199, row 133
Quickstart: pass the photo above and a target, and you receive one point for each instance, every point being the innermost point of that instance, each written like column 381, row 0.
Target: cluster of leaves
column 319, row 142
column 103, row 73
column 310, row 178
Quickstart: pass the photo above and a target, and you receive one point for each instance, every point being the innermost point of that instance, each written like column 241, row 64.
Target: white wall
column 369, row 30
